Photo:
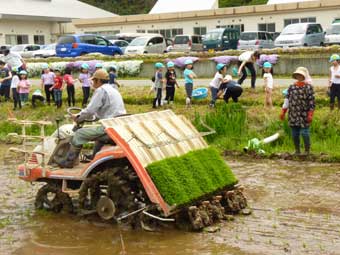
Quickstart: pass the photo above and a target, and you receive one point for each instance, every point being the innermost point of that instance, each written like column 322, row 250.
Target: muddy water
column 296, row 211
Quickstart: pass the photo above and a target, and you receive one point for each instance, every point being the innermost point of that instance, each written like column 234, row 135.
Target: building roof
column 53, row 10
column 286, row 1
column 168, row 6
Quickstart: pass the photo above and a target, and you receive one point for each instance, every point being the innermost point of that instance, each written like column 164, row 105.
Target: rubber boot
column 331, row 106
column 306, row 140
column 70, row 159
column 296, row 140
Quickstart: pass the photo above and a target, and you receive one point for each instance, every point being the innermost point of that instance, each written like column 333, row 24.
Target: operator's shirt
column 105, row 103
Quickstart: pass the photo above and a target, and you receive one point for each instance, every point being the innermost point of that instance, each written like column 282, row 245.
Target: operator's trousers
column 87, row 134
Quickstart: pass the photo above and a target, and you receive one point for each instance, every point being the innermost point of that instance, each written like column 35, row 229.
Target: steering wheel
column 76, row 110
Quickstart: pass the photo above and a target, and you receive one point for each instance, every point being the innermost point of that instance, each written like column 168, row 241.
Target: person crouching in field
column 268, row 83
column 230, row 89
column 113, row 77
column 37, row 96
column 300, row 106
column 23, row 87
column 57, row 88
column 334, row 80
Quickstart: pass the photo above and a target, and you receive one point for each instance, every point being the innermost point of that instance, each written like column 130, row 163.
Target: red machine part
column 143, row 175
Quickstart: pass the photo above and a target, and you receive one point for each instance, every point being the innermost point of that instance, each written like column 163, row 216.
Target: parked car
column 333, row 35
column 221, row 39
column 46, row 52
column 78, row 45
column 253, row 40
column 274, row 35
column 169, row 44
column 25, row 50
column 301, row 34
column 187, row 43
column 120, row 43
column 147, row 44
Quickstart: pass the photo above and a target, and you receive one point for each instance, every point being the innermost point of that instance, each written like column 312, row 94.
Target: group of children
column 53, row 83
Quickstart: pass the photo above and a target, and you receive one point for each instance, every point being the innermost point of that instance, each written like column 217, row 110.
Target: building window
column 39, row 39
column 302, row 20
column 269, row 27
column 177, row 31
column 308, row 19
column 16, row 39
column 200, row 30
column 142, row 31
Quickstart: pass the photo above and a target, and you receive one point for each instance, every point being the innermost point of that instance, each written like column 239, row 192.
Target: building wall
column 25, row 27
column 249, row 19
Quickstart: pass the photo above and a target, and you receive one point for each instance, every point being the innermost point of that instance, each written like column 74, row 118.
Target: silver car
column 333, row 35
column 25, row 50
column 301, row 34
column 254, row 40
column 187, row 43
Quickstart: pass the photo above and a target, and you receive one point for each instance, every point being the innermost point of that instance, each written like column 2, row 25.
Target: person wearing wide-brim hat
column 334, row 80
column 300, row 107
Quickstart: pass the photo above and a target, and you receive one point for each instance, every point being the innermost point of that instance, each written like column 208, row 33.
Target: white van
column 301, row 34
column 147, row 44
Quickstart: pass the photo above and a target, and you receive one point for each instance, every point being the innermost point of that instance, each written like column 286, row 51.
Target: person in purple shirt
column 84, row 78
column 47, row 81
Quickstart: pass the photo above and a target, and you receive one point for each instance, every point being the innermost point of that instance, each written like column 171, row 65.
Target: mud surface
column 296, row 211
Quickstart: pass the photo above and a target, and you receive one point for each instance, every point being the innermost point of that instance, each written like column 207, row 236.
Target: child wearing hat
column 268, row 83
column 68, row 79
column 189, row 76
column 47, row 81
column 113, row 77
column 14, row 87
column 37, row 96
column 300, row 106
column 57, row 88
column 84, row 78
column 216, row 82
column 158, row 85
column 24, row 86
column 229, row 89
column 171, row 82
column 334, row 80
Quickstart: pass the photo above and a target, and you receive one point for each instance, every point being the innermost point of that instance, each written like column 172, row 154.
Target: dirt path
column 296, row 211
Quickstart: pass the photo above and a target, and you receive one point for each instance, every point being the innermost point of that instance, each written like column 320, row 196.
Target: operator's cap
column 100, row 74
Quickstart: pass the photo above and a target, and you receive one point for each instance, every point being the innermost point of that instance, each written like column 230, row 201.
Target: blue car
column 78, row 45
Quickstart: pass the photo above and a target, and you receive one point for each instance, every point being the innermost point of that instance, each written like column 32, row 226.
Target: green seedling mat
column 185, row 179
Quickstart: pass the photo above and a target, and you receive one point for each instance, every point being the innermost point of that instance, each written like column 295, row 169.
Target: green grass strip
column 184, row 179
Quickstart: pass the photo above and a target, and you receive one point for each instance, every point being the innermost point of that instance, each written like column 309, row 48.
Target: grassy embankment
column 235, row 123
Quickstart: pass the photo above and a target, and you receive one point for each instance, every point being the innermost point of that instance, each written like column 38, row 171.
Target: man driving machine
column 105, row 103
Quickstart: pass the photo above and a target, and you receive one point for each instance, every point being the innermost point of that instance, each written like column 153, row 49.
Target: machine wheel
column 113, row 191
column 51, row 198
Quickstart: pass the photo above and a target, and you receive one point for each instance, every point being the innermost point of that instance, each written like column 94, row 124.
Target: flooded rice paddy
column 296, row 210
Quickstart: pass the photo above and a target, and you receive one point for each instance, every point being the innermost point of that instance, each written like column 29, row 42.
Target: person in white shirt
column 268, row 83
column 334, row 80
column 247, row 60
column 13, row 59
column 216, row 82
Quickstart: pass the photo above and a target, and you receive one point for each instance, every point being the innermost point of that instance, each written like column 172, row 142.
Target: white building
column 272, row 17
column 42, row 21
